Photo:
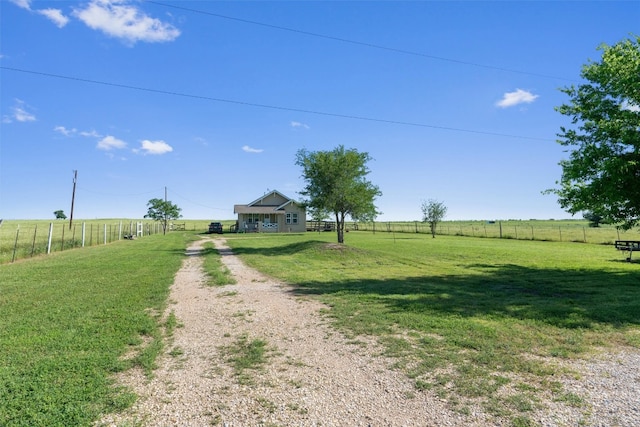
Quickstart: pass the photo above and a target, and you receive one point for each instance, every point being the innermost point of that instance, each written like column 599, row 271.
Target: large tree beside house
column 336, row 182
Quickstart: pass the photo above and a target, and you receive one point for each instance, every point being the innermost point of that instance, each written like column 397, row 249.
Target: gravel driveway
column 314, row 376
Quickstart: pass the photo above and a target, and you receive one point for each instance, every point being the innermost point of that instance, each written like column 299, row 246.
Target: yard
column 463, row 317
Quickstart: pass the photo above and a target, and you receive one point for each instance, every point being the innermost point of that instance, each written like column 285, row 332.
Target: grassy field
column 25, row 239
column 545, row 230
column 68, row 318
column 466, row 317
column 21, row 239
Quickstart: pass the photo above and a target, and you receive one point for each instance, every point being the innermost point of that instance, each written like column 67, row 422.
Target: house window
column 292, row 218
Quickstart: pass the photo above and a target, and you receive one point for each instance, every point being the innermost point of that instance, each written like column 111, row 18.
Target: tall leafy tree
column 602, row 173
column 60, row 214
column 433, row 212
column 336, row 182
column 162, row 211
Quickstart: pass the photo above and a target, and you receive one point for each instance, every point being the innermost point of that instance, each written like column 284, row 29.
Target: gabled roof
column 259, row 199
column 254, row 207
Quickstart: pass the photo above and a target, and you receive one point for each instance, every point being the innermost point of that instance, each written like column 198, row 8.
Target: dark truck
column 215, row 227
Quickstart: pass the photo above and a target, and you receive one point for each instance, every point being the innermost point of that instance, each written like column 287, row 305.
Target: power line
column 102, row 193
column 196, row 203
column 359, row 43
column 272, row 107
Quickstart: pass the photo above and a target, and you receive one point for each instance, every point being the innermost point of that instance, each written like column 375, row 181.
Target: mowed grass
column 479, row 321
column 67, row 320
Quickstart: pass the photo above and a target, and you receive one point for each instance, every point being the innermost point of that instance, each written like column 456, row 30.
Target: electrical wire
column 359, row 43
column 196, row 203
column 272, row 107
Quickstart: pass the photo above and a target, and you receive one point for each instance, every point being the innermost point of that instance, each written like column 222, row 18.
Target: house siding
column 262, row 214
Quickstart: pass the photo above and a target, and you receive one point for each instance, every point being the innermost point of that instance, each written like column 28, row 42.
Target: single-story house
column 273, row 212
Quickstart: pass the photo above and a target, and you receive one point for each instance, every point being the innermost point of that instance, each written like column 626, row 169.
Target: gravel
column 314, row 376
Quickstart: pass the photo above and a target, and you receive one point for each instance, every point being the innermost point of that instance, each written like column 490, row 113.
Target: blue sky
column 454, row 101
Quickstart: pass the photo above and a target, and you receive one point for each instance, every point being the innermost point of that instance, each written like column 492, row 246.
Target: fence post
column 62, row 244
column 84, row 232
column 33, row 244
column 15, row 245
column 120, row 231
column 532, row 236
column 105, row 233
column 500, row 229
column 50, row 236
column 560, row 230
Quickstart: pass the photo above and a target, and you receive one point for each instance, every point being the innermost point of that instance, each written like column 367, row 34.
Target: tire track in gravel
column 313, row 377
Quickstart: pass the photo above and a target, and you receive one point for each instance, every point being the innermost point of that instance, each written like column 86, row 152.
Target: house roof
column 243, row 209
column 269, row 194
column 256, row 208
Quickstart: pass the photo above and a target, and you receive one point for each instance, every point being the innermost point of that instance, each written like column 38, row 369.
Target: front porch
column 260, row 223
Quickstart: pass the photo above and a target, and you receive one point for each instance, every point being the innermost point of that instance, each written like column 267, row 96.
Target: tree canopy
column 602, row 173
column 163, row 211
column 336, row 183
column 59, row 214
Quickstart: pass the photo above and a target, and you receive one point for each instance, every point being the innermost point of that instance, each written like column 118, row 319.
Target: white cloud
column 121, row 20
column 24, row 4
column 66, row 132
column 155, row 147
column 90, row 134
column 22, row 115
column 248, row 149
column 73, row 132
column 299, row 125
column 511, row 99
column 19, row 113
column 109, row 143
column 55, row 16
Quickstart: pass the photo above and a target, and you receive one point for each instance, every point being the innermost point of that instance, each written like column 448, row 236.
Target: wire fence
column 557, row 231
column 33, row 238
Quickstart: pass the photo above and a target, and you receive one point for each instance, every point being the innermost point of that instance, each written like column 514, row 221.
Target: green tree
column 595, row 219
column 60, row 214
column 336, row 183
column 433, row 212
column 602, row 173
column 162, row 211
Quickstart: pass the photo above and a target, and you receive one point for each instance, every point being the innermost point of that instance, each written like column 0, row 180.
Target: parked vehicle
column 215, row 227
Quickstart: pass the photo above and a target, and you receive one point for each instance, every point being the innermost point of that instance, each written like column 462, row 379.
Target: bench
column 628, row 245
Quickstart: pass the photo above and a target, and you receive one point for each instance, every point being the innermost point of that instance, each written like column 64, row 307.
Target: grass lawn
column 466, row 317
column 67, row 318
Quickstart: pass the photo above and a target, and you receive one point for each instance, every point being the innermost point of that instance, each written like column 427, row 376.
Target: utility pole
column 73, row 196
